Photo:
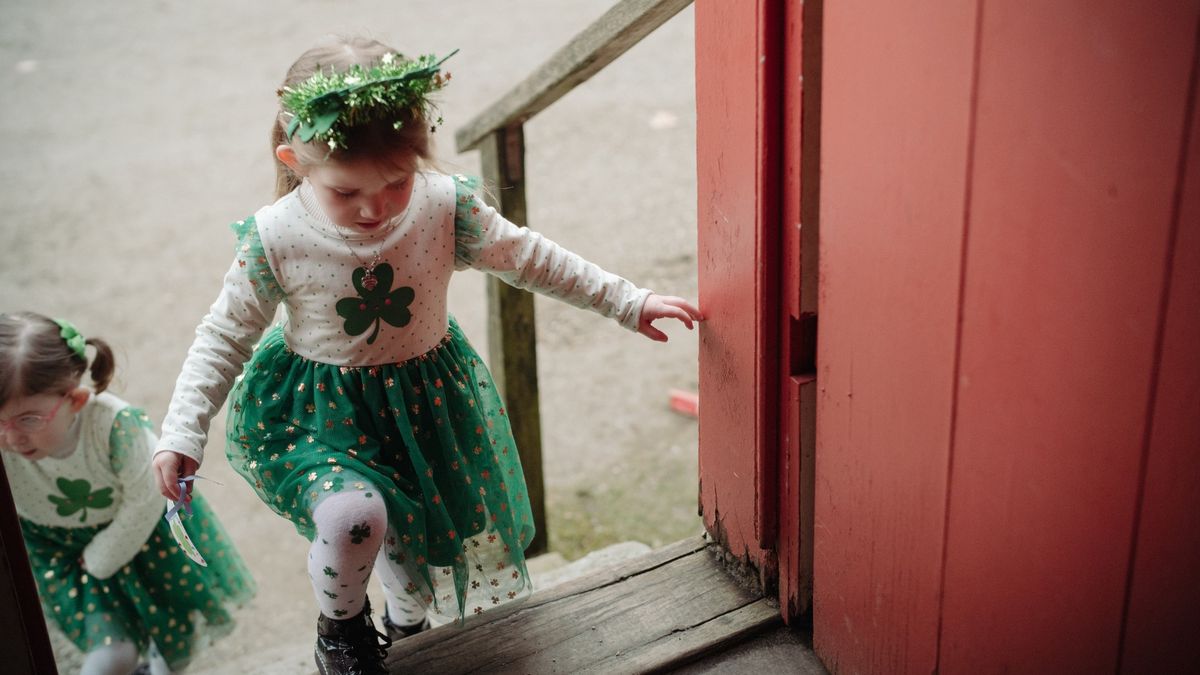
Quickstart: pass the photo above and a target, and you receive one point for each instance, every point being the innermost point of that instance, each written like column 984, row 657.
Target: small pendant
column 369, row 281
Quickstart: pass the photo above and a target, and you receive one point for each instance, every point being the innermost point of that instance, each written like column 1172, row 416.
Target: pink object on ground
column 685, row 402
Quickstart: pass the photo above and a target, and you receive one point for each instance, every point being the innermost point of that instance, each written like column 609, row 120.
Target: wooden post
column 23, row 634
column 512, row 338
column 498, row 134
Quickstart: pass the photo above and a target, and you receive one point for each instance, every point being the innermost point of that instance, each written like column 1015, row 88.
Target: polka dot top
column 314, row 262
column 106, row 481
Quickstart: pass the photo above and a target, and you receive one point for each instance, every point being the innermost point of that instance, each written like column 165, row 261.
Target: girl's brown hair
column 35, row 359
column 379, row 139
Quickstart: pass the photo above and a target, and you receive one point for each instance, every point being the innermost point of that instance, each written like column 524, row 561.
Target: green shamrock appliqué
column 376, row 302
column 79, row 495
column 360, row 532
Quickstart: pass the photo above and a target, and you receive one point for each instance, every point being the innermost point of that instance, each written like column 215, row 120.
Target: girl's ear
column 286, row 154
column 79, row 397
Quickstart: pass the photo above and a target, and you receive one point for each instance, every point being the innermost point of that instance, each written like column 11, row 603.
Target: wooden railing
column 498, row 132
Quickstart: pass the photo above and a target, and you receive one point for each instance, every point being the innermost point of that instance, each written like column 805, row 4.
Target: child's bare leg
column 118, row 658
column 350, row 527
column 399, row 591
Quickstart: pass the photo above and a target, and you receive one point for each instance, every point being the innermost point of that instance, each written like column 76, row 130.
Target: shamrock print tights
column 350, row 528
column 398, row 590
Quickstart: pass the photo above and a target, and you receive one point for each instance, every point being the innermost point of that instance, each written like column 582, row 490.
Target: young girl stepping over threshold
column 78, row 462
column 367, row 419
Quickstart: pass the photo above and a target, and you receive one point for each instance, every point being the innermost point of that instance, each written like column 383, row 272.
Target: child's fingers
column 675, row 301
column 166, row 486
column 682, row 311
column 166, row 471
column 667, row 307
column 653, row 333
column 692, row 310
column 190, row 467
column 673, row 312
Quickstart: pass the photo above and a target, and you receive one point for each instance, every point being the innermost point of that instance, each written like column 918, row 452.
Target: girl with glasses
column 109, row 573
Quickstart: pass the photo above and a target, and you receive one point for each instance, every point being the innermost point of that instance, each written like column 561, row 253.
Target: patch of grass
column 651, row 499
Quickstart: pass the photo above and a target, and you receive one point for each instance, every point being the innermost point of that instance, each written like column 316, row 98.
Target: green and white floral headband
column 324, row 106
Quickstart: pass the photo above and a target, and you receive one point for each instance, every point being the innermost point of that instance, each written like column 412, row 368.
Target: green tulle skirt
column 428, row 435
column 160, row 595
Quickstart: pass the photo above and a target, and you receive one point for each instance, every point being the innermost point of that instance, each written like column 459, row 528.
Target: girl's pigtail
column 103, row 364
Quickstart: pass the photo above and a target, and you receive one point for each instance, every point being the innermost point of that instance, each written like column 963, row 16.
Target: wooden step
column 652, row 613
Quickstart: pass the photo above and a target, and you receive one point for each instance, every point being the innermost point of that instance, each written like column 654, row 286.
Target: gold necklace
column 369, row 280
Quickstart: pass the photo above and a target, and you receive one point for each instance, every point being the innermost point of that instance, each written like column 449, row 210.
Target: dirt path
column 135, row 131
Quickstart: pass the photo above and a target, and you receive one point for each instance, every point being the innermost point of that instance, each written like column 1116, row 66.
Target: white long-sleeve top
column 290, row 252
column 106, row 480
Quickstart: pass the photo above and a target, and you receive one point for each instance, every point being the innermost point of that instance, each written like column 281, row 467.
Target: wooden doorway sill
column 652, row 613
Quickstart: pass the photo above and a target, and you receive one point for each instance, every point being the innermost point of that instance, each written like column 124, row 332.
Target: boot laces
column 365, row 647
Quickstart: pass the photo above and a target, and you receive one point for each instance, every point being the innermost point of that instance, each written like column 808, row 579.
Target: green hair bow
column 72, row 337
column 324, row 106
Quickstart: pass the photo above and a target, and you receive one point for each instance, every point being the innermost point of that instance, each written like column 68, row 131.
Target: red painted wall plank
column 1078, row 133
column 1164, row 602
column 730, row 190
column 797, row 387
column 895, row 114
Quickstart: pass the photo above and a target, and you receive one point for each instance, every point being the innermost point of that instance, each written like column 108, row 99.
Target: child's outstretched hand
column 168, row 468
column 666, row 307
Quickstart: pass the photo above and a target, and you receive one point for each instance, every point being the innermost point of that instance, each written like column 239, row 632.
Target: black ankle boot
column 395, row 632
column 351, row 646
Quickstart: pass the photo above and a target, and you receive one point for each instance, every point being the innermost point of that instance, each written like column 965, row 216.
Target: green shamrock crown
column 324, row 106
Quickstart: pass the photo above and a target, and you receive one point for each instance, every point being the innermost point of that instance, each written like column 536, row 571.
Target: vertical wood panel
column 798, row 225
column 1164, row 599
column 732, row 283
column 895, row 117
column 1078, row 134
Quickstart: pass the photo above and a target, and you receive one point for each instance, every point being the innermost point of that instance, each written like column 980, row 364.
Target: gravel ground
column 135, row 131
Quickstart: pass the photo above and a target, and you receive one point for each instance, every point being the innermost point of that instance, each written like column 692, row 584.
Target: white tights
column 350, row 530
column 120, row 658
column 403, row 609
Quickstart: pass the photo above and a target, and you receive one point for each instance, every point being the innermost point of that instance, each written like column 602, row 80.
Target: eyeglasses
column 31, row 423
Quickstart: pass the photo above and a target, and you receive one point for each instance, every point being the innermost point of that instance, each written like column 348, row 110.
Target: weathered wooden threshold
column 651, row 614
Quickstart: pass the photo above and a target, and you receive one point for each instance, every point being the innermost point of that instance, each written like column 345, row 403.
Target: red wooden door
column 737, row 189
column 800, row 132
column 758, row 284
column 1009, row 412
